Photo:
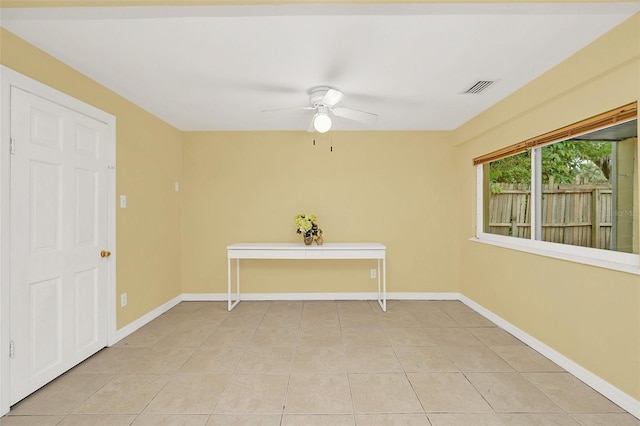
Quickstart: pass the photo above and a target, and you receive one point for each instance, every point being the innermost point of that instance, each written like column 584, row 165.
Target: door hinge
column 12, row 146
column 12, row 349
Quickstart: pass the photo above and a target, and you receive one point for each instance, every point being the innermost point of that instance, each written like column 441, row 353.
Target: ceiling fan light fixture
column 322, row 122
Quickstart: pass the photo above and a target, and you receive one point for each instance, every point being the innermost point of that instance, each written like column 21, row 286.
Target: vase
column 319, row 240
column 308, row 240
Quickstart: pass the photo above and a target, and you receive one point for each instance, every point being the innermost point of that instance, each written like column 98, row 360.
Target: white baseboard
column 202, row 297
column 146, row 318
column 423, row 296
column 600, row 385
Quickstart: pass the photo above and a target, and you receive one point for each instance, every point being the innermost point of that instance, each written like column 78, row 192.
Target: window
column 572, row 190
column 508, row 196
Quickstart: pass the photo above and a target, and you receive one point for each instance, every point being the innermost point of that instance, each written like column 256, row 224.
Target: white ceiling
column 217, row 67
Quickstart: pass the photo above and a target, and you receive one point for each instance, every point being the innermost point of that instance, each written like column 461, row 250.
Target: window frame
column 619, row 261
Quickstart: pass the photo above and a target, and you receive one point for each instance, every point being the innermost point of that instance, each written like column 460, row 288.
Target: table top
column 302, row 246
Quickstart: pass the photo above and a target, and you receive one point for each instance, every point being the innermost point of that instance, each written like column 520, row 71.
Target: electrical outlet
column 123, row 300
column 373, row 273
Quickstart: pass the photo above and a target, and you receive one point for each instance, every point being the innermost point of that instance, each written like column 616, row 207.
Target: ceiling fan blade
column 307, row 108
column 332, row 97
column 356, row 115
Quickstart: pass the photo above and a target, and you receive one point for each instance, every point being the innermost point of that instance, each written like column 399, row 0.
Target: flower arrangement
column 306, row 224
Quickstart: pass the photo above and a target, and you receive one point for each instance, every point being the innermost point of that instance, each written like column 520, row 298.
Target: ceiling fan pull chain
column 314, row 142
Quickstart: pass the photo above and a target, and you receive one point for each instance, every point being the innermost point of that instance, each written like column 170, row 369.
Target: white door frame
column 10, row 78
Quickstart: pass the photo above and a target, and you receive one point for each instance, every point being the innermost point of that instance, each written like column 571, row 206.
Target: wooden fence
column 571, row 214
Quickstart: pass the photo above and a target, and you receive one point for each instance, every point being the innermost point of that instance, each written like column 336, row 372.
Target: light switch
column 177, row 186
column 123, row 201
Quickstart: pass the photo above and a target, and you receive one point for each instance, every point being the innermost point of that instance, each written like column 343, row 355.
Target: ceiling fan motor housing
column 318, row 93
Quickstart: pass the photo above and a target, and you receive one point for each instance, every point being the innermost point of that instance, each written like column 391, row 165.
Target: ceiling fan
column 323, row 100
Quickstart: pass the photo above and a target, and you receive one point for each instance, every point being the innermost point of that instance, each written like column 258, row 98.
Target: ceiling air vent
column 479, row 86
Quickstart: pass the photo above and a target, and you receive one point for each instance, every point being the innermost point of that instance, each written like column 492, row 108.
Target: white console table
column 375, row 251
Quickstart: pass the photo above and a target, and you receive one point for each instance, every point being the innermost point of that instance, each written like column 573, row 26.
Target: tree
column 564, row 161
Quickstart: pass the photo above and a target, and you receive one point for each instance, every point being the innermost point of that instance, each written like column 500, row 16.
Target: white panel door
column 58, row 230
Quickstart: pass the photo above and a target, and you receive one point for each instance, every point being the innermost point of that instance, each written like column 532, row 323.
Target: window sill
column 547, row 249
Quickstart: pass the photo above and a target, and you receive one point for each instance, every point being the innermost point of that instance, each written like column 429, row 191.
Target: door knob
column 105, row 253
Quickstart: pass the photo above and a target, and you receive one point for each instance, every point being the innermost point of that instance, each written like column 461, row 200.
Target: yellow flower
column 306, row 224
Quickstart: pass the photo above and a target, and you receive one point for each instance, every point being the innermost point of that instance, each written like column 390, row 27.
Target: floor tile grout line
column 464, row 374
column 424, row 409
column 545, row 393
column 353, row 403
column 284, row 402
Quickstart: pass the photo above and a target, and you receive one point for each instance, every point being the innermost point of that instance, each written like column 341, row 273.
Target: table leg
column 231, row 304
column 384, row 285
column 382, row 301
column 237, row 282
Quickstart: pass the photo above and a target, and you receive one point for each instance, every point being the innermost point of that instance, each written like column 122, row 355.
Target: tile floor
column 318, row 363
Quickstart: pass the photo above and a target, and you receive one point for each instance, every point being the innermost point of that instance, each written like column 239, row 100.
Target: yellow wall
column 148, row 161
column 590, row 315
column 392, row 187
